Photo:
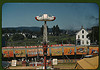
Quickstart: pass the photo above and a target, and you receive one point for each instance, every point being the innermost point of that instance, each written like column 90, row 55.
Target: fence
column 52, row 50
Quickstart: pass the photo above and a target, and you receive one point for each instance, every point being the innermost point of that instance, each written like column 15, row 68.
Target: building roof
column 89, row 63
column 81, row 29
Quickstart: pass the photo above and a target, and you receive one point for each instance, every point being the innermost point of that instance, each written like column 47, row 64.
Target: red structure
column 45, row 54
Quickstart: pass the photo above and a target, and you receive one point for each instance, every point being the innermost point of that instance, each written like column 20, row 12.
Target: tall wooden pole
column 45, row 33
column 45, row 18
column 45, row 43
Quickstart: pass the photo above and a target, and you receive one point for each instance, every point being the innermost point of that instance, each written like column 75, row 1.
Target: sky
column 68, row 15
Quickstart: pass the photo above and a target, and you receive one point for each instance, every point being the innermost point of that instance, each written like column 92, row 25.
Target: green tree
column 25, row 31
column 53, row 30
column 69, row 40
column 18, row 31
column 17, row 37
column 6, row 37
column 94, row 35
column 6, row 30
column 13, row 31
column 29, row 36
column 3, row 31
column 57, row 30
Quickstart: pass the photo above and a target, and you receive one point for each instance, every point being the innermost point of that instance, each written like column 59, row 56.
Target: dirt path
column 23, row 67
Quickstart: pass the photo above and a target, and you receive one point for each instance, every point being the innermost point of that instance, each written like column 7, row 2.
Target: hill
column 23, row 28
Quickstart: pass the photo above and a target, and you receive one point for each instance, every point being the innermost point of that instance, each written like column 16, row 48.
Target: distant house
column 8, row 34
column 50, row 33
column 23, row 34
column 81, row 37
column 34, row 36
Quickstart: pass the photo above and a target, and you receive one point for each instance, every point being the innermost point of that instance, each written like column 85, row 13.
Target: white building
column 22, row 34
column 81, row 37
column 34, row 36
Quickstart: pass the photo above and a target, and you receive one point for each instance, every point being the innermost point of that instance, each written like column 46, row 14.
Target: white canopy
column 45, row 17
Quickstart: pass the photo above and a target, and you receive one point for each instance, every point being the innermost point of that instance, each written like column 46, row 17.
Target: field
column 38, row 41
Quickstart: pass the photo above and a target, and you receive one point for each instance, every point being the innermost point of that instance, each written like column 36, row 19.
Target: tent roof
column 89, row 63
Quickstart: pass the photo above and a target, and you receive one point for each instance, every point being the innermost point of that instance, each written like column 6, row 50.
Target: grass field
column 38, row 41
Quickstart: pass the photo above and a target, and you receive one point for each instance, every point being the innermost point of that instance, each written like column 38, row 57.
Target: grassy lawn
column 37, row 41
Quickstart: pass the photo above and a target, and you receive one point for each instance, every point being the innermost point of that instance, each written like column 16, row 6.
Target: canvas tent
column 88, row 63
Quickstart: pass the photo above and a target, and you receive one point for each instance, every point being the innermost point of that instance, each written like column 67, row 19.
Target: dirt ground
column 23, row 67
column 65, row 66
column 59, row 66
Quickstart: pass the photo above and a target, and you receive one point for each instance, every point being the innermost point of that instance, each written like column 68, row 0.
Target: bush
column 17, row 37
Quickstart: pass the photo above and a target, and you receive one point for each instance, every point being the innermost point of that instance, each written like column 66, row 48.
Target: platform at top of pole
column 45, row 17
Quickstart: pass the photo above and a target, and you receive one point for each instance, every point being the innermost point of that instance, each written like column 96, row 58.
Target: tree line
column 55, row 30
column 94, row 35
